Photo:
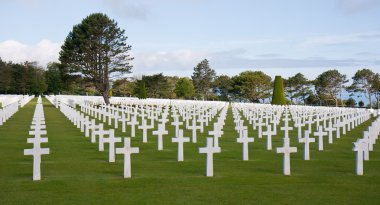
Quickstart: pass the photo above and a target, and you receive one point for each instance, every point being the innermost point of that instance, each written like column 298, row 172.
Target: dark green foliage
column 53, row 78
column 361, row 104
column 363, row 83
column 159, row 86
column 350, row 102
column 27, row 78
column 252, row 85
column 97, row 49
column 203, row 77
column 278, row 97
column 222, row 87
column 297, row 87
column 142, row 90
column 184, row 88
column 329, row 85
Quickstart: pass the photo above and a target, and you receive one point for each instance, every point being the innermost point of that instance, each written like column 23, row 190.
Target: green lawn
column 76, row 173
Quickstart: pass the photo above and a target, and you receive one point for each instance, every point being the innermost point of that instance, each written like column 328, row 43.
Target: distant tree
column 350, row 102
column 184, row 88
column 5, row 77
column 142, row 90
column 376, row 89
column 203, row 77
column 97, row 49
column 222, row 86
column 312, row 99
column 362, row 82
column 297, row 86
column 361, row 104
column 278, row 97
column 329, row 85
column 53, row 78
column 159, row 86
column 123, row 87
column 252, row 85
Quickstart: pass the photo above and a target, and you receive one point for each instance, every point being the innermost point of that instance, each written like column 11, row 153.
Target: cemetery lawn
column 75, row 172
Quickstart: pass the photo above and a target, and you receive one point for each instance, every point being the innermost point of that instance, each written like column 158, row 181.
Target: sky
column 172, row 36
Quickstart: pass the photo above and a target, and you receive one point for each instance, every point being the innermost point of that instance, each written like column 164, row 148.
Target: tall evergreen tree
column 278, row 92
column 97, row 48
column 203, row 77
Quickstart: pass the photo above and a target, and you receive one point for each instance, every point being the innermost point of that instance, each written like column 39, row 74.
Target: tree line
column 204, row 84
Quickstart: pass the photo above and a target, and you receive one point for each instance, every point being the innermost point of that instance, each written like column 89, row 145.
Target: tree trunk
column 106, row 97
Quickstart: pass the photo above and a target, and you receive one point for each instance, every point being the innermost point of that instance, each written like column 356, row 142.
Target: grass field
column 76, row 173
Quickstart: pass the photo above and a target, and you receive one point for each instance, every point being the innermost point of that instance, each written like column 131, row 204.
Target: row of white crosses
column 10, row 105
column 147, row 111
column 87, row 126
column 38, row 128
column 364, row 145
column 327, row 120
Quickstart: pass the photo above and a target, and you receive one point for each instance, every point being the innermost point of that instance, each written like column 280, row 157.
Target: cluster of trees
column 95, row 56
column 250, row 86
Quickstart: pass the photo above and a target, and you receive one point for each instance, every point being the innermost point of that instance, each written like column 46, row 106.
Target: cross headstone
column 133, row 123
column 320, row 135
column 359, row 147
column 111, row 140
column 260, row 125
column 127, row 150
column 269, row 134
column 180, row 140
column 286, row 150
column 36, row 152
column 307, row 140
column 330, row 129
column 217, row 133
column 160, row 132
column 144, row 127
column 209, row 150
column 286, row 127
column 245, row 140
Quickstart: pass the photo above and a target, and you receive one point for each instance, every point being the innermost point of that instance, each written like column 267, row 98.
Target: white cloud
column 328, row 40
column 127, row 8
column 163, row 61
column 43, row 52
column 356, row 6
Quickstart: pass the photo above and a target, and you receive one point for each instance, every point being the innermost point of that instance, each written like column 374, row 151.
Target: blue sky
column 172, row 36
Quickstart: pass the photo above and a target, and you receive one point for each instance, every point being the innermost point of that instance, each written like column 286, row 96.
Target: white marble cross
column 330, row 130
column 269, row 134
column 337, row 127
column 133, row 124
column 286, row 150
column 160, row 132
column 320, row 135
column 209, row 150
column 96, row 130
column 217, row 133
column 127, row 150
column 359, row 148
column 260, row 125
column 176, row 123
column 144, row 127
column 37, row 133
column 180, row 140
column 307, row 140
column 245, row 140
column 36, row 151
column 111, row 140
column 286, row 127
column 194, row 128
